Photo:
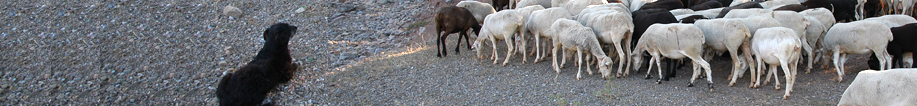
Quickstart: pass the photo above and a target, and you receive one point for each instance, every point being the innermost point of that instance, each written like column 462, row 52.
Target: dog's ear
column 267, row 34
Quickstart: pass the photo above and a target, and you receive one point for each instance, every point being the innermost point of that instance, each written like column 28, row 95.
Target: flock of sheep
column 754, row 33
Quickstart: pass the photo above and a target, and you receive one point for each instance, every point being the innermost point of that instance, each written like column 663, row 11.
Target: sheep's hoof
column 647, row 77
column 439, row 55
column 710, row 86
column 730, row 84
column 658, row 81
column 690, row 85
column 786, row 96
column 777, row 88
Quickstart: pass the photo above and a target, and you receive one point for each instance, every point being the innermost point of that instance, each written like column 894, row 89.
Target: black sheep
column 271, row 67
column 692, row 18
column 792, row 7
column 499, row 4
column 843, row 10
column 707, row 5
column 904, row 41
column 452, row 19
column 873, row 8
column 664, row 4
column 644, row 18
column 745, row 5
column 818, row 4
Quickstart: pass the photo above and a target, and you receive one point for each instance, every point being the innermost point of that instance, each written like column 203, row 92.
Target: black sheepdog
column 271, row 67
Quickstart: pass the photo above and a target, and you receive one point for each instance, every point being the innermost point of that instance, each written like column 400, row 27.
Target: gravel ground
column 372, row 52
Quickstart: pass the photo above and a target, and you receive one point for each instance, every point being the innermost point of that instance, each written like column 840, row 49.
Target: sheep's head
column 476, row 46
column 637, row 59
column 604, row 66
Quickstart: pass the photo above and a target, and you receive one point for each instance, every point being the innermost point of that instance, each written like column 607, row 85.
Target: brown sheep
column 452, row 19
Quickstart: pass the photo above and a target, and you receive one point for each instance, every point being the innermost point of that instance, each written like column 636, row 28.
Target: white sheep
column 571, row 35
column 539, row 23
column 524, row 3
column 576, row 6
column 609, row 6
column 587, row 16
column 558, row 3
column 858, row 37
column 894, row 87
column 527, row 11
column 614, row 28
column 757, row 22
column 823, row 15
column 710, row 13
column 815, row 32
column 770, row 4
column 798, row 23
column 777, row 46
column 479, row 9
column 675, row 41
column 737, row 2
column 727, row 35
column 893, row 20
column 677, row 12
column 742, row 13
column 501, row 25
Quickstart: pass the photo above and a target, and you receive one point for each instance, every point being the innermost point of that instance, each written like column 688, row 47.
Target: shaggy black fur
column 271, row 67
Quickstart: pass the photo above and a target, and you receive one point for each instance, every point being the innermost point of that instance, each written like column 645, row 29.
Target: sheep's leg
column 749, row 62
column 509, row 46
column 756, row 77
column 554, row 57
column 736, row 66
column 838, row 65
column 773, row 71
column 440, row 46
column 521, row 43
column 563, row 57
column 459, row 43
column 658, row 61
column 588, row 62
column 650, row 67
column 885, row 61
column 627, row 44
column 579, row 63
column 495, row 56
column 790, row 75
column 703, row 63
column 537, row 51
column 621, row 59
column 694, row 74
column 809, row 55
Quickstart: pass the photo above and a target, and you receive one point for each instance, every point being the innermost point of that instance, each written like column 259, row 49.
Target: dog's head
column 280, row 33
